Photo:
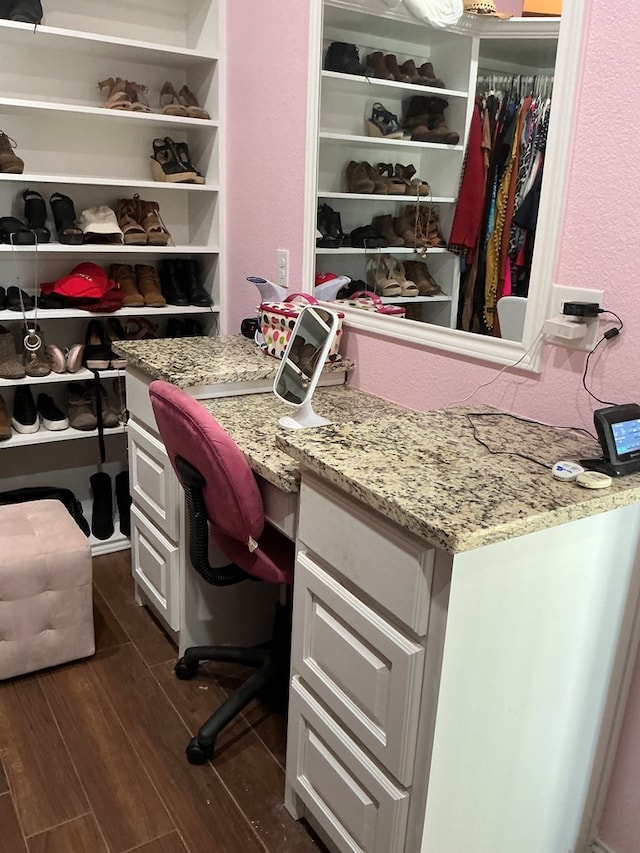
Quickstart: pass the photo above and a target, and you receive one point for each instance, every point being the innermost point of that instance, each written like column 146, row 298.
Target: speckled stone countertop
column 192, row 362
column 426, row 472
column 252, row 421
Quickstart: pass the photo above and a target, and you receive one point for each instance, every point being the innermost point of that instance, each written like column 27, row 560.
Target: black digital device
column 618, row 430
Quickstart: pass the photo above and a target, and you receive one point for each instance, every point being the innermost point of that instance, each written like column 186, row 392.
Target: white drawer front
column 393, row 568
column 156, row 567
column 354, row 801
column 154, row 486
column 367, row 673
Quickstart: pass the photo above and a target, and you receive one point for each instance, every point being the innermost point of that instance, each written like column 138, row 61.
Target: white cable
column 536, row 340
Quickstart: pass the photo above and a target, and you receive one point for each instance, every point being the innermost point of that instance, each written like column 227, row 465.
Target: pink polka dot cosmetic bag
column 277, row 320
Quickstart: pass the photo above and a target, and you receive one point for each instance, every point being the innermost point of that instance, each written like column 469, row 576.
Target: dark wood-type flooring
column 92, row 752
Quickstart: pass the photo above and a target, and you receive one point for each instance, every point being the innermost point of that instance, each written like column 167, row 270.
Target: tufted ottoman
column 46, row 612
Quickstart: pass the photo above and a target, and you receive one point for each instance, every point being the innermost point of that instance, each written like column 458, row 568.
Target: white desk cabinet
column 454, row 703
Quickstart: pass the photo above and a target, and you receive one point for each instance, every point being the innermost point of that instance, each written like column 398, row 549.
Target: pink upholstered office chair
column 224, row 504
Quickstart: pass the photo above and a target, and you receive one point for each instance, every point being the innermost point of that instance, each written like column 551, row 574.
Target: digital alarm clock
column 618, row 430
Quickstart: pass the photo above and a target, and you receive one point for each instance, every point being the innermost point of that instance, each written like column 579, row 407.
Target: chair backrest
column 511, row 314
column 233, row 502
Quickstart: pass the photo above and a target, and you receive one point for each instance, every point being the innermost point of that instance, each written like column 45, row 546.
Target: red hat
column 85, row 281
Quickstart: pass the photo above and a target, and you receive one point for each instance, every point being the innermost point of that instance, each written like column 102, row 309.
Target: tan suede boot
column 9, row 160
column 124, row 275
column 149, row 286
column 10, row 365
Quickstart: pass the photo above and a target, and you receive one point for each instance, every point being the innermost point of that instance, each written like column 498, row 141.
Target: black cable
column 545, row 465
column 610, row 333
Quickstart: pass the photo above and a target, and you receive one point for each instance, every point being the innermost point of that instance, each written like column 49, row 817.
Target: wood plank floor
column 92, row 752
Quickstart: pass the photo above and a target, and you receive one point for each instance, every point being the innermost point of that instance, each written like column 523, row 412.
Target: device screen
column 626, row 436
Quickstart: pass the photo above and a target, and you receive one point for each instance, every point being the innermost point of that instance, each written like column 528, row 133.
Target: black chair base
column 272, row 671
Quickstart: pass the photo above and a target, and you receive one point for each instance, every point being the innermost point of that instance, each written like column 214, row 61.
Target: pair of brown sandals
column 131, row 96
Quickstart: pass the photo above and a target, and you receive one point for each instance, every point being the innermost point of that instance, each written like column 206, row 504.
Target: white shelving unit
column 51, row 106
column 345, row 104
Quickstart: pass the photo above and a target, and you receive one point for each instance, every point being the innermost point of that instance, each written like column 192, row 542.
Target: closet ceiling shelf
column 404, row 250
column 20, row 104
column 103, row 46
column 335, row 79
column 326, row 136
column 74, row 313
column 115, row 249
column 377, row 197
column 53, row 378
column 47, row 436
column 31, row 178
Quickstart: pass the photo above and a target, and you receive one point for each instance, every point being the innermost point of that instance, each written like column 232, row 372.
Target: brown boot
column 404, row 227
column 149, row 286
column 426, row 71
column 5, row 423
column 9, row 160
column 131, row 296
column 391, row 63
column 10, row 365
column 380, row 184
column 409, row 68
column 148, row 215
column 419, row 273
column 425, row 120
column 376, row 67
column 383, row 225
column 126, row 213
column 358, row 180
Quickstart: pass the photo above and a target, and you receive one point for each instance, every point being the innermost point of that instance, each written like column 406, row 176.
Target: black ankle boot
column 191, row 281
column 35, row 212
column 102, row 512
column 173, row 289
column 5, row 9
column 29, row 11
column 123, row 500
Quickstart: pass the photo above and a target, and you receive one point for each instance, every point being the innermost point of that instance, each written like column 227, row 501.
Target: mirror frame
column 527, row 353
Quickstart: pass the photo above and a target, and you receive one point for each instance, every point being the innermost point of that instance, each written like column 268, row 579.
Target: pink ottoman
column 46, row 611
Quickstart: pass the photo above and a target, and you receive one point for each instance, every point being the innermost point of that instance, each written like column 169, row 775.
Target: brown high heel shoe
column 137, row 92
column 170, row 102
column 418, row 272
column 189, row 100
column 430, row 225
column 148, row 215
column 119, row 97
column 413, row 186
column 133, row 234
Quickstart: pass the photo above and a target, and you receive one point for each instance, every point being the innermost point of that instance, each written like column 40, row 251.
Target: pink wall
column 267, row 74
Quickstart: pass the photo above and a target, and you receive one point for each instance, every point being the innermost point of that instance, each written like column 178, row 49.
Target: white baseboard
column 599, row 847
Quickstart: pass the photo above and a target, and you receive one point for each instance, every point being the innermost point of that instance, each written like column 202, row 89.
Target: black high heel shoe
column 35, row 212
column 330, row 227
column 64, row 216
column 167, row 166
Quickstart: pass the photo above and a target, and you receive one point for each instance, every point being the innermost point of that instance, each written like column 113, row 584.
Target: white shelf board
column 46, row 436
column 408, row 300
column 423, row 199
column 30, row 178
column 54, row 378
column 393, row 250
column 103, row 46
column 335, row 79
column 109, row 249
column 75, row 313
column 9, row 105
column 353, row 139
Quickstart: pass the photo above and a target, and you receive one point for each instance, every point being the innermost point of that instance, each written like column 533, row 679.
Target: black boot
column 191, row 281
column 123, row 500
column 172, row 287
column 29, row 11
column 102, row 513
column 5, row 9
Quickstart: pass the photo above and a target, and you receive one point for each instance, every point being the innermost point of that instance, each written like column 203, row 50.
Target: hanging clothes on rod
column 508, row 135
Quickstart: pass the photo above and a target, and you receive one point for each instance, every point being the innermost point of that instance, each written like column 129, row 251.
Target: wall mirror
column 339, row 106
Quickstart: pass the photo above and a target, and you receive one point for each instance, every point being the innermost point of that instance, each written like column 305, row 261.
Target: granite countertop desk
column 426, row 472
column 199, row 363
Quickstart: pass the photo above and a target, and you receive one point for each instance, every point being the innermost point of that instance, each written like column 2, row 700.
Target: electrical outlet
column 561, row 294
column 282, row 267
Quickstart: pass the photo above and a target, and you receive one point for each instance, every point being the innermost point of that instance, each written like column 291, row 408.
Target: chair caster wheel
column 184, row 670
column 198, row 754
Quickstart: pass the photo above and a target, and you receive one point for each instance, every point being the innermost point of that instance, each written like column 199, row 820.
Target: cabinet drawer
column 392, row 567
column 154, row 487
column 366, row 672
column 354, row 801
column 155, row 563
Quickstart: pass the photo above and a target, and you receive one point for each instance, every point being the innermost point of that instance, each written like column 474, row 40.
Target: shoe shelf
column 389, row 250
column 53, row 378
column 377, row 88
column 28, row 179
column 75, row 314
column 412, row 300
column 408, row 198
column 102, row 249
column 48, row 436
column 107, row 47
column 377, row 142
